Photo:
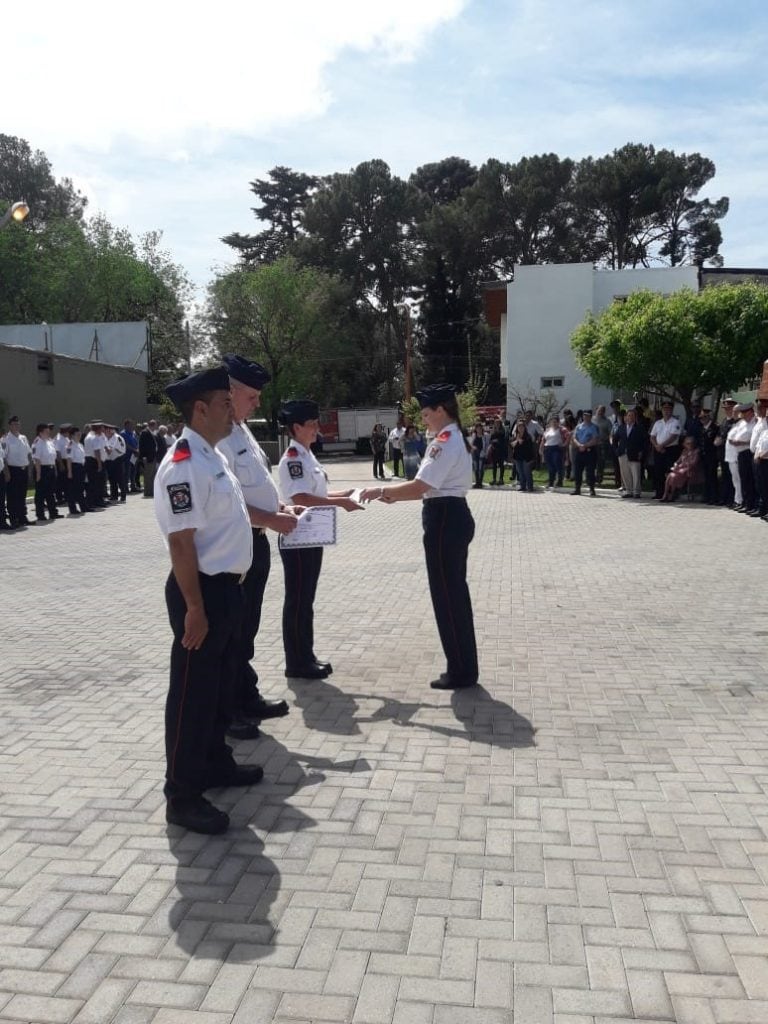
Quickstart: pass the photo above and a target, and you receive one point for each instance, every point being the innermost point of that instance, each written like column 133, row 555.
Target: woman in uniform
column 303, row 481
column 443, row 480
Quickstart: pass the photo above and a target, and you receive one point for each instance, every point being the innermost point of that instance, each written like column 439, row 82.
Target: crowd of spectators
column 82, row 469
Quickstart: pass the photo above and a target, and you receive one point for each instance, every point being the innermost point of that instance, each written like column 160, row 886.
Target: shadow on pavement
column 325, row 707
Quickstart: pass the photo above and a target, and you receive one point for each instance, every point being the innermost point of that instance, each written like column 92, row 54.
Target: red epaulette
column 292, row 453
column 181, row 451
column 443, row 435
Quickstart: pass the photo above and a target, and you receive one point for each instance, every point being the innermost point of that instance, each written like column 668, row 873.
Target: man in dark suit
column 150, row 455
column 630, row 441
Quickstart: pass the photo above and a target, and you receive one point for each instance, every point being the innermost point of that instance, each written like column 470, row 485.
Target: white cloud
column 163, row 73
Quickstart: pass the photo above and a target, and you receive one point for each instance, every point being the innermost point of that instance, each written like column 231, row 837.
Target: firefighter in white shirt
column 665, row 439
column 94, row 444
column 75, row 461
column 60, row 442
column 4, row 477
column 44, row 463
column 202, row 514
column 114, row 448
column 250, row 465
column 18, row 456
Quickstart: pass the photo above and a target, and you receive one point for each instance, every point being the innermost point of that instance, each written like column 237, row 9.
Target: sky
column 162, row 113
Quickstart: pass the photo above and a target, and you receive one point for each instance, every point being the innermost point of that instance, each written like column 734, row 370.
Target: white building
column 544, row 305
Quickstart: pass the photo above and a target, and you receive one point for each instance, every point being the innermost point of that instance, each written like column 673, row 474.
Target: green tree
column 683, row 346
column 26, row 174
column 284, row 195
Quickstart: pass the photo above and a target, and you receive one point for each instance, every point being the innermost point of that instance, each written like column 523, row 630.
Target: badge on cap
column 181, row 497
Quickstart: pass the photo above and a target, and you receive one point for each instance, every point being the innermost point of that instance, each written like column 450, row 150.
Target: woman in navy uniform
column 203, row 517
column 303, row 481
column 443, row 479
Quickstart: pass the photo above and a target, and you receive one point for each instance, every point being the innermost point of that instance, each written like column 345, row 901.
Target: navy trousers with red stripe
column 199, row 704
column 301, row 568
column 448, row 532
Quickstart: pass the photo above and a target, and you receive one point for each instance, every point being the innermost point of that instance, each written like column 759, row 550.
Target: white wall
column 544, row 306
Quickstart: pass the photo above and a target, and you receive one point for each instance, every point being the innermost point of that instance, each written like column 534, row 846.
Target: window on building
column 44, row 370
column 552, row 382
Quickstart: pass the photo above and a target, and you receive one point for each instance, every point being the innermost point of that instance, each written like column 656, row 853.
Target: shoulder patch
column 180, row 453
column 434, row 451
column 296, row 470
column 181, row 497
column 443, row 435
column 292, row 453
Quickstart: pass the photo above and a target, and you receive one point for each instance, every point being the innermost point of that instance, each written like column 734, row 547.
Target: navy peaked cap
column 253, row 375
column 298, row 410
column 435, row 394
column 196, row 384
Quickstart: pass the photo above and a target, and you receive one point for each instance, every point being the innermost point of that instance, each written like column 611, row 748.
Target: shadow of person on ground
column 325, row 707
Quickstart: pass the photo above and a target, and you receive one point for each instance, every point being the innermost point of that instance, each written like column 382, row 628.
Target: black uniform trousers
column 301, row 568
column 254, row 584
column 747, row 477
column 94, row 491
column 3, row 507
column 448, row 532
column 17, row 494
column 61, row 483
column 709, row 468
column 584, row 463
column 199, row 704
column 76, row 488
column 45, row 492
column 397, row 461
column 116, row 478
column 727, row 493
column 761, row 484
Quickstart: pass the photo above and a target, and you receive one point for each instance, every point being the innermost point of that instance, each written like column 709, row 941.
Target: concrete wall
column 80, row 390
column 544, row 306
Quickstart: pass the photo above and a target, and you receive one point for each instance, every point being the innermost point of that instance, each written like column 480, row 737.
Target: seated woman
column 684, row 471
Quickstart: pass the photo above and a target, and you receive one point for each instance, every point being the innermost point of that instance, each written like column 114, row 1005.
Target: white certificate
column 316, row 528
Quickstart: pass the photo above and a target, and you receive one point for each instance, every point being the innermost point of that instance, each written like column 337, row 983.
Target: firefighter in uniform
column 250, row 465
column 443, row 480
column 304, row 482
column 202, row 514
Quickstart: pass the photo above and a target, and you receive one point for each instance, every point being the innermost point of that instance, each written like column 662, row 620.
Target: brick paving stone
column 412, row 857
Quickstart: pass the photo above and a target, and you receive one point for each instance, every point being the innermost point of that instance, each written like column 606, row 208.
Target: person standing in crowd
column 617, row 415
column 629, row 445
column 761, row 425
column 131, row 456
column 497, row 453
column 44, row 468
column 250, row 465
column 202, row 515
column 379, row 449
column 115, row 467
column 442, row 481
column 75, row 462
column 760, row 450
column 522, row 449
column 18, row 455
column 552, row 445
column 94, row 445
column 413, row 450
column 60, row 442
column 478, row 445
column 4, row 477
column 303, row 482
column 707, row 441
column 603, row 424
column 727, row 492
column 396, row 435
column 665, row 440
column 586, row 438
column 148, row 453
column 739, row 439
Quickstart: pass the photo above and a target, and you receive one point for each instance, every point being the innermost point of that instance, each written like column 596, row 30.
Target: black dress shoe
column 262, row 709
column 240, row 775
column 197, row 815
column 446, row 682
column 326, row 666
column 310, row 672
column 242, row 729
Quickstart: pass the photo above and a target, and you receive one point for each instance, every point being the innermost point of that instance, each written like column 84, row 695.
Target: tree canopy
column 684, row 346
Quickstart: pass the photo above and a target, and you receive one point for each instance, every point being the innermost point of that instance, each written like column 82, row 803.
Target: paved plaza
column 581, row 840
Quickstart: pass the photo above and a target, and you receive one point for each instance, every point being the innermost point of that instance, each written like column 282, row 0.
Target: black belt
column 234, row 577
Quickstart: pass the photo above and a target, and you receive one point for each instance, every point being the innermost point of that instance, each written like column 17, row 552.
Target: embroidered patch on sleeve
column 181, row 498
column 296, row 470
column 434, row 451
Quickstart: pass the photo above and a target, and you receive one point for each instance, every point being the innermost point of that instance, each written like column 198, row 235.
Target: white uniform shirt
column 740, row 431
column 299, row 472
column 2, row 456
column 60, row 443
column 761, row 424
column 396, row 436
column 17, row 450
column 75, row 453
column 666, row 432
column 93, row 443
column 44, row 451
column 114, row 447
column 447, row 465
column 250, row 465
column 761, row 447
column 196, row 490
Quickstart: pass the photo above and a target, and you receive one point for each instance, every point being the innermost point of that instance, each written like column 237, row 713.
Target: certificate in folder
column 316, row 528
